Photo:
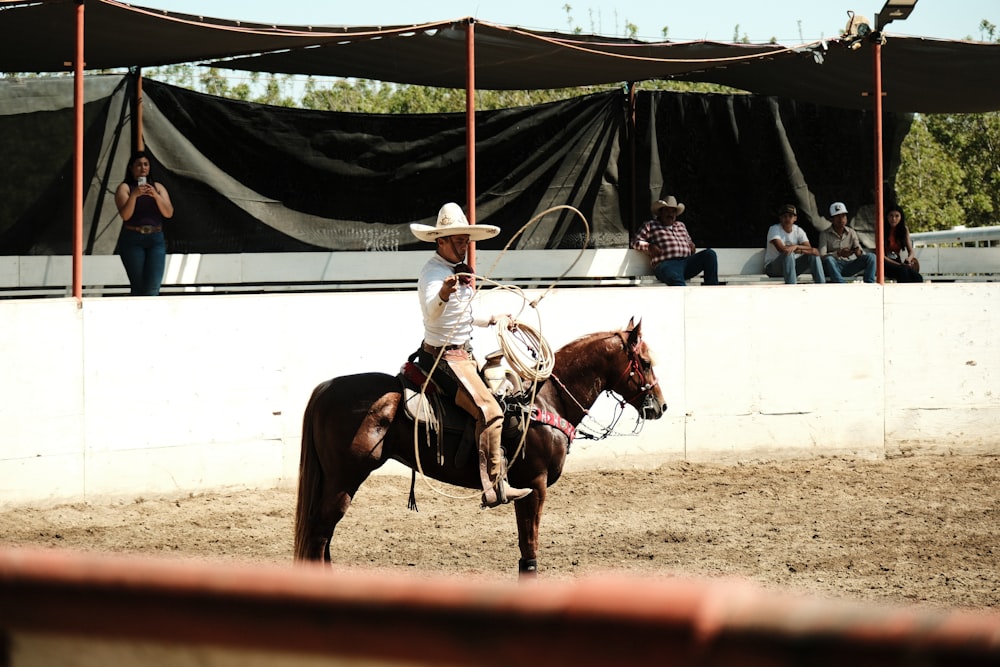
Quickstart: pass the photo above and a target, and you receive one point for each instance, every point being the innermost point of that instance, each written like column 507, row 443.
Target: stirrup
column 502, row 494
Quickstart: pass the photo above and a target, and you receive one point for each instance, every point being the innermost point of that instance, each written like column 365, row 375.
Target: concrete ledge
column 257, row 273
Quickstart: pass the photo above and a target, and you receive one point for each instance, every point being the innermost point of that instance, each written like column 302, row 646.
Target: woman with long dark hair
column 144, row 206
column 897, row 239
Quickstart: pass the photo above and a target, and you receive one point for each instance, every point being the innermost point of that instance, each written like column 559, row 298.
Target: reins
column 633, row 367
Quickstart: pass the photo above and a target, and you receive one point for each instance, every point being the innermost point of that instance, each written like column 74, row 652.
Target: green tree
column 930, row 182
column 987, row 31
column 950, row 173
column 974, row 141
column 213, row 83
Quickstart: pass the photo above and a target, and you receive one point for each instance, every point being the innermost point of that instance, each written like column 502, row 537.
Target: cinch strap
column 553, row 420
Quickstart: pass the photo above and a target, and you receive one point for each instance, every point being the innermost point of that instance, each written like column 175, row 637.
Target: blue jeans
column 674, row 272
column 791, row 265
column 838, row 268
column 144, row 257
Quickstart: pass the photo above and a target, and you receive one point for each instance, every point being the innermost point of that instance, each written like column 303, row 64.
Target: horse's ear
column 634, row 332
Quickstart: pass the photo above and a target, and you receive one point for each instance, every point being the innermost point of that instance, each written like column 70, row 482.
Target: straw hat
column 669, row 202
column 451, row 221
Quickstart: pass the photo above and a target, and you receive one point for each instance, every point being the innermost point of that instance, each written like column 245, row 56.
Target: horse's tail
column 310, row 478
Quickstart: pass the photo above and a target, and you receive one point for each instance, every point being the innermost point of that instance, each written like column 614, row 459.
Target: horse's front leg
column 529, row 515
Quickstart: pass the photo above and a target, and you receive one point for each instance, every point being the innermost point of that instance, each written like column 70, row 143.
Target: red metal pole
column 470, row 131
column 879, row 203
column 78, row 157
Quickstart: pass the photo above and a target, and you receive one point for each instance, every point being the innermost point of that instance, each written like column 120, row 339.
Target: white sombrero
column 450, row 222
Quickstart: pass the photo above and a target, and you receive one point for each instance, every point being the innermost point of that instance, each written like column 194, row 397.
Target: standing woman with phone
column 144, row 206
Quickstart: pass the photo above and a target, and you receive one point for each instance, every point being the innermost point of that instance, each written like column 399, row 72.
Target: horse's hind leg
column 327, row 485
column 335, row 501
column 339, row 451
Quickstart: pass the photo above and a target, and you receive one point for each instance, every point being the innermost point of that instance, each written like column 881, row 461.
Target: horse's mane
column 572, row 351
column 588, row 339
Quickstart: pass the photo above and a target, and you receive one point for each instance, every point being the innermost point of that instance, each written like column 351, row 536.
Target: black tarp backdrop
column 254, row 178
column 734, row 159
column 394, row 169
column 36, row 142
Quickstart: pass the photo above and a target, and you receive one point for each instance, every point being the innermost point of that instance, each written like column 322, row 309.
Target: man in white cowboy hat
column 840, row 248
column 445, row 289
column 670, row 248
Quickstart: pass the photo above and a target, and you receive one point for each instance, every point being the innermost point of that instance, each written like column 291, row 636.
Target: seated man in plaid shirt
column 670, row 248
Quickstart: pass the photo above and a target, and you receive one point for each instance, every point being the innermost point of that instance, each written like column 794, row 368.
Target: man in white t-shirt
column 788, row 252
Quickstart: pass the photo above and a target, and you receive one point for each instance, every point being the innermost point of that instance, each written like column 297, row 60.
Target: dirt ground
column 919, row 529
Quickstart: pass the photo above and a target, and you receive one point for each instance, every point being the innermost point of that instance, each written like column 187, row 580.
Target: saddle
column 440, row 422
column 454, row 429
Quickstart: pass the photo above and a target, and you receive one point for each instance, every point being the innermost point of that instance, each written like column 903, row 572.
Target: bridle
column 633, row 368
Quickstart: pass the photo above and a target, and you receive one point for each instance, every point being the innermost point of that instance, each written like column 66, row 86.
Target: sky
column 789, row 21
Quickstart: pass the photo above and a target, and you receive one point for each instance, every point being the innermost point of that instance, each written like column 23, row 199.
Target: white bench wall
column 141, row 397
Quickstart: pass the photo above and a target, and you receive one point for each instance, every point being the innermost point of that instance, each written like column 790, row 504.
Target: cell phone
column 142, row 181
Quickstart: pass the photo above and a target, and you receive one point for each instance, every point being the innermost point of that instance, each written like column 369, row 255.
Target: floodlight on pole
column 894, row 10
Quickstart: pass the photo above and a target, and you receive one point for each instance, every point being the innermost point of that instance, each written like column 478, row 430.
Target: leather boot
column 493, row 473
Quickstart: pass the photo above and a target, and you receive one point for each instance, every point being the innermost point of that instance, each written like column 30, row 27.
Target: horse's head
column 638, row 384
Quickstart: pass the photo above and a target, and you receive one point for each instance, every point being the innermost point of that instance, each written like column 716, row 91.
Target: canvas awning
column 919, row 74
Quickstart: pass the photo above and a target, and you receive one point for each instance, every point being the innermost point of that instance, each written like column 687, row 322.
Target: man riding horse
column 446, row 304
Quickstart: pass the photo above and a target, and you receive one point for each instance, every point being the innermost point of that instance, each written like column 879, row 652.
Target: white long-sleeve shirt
column 445, row 322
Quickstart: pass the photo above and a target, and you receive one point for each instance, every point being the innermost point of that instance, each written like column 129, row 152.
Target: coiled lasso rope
column 539, row 366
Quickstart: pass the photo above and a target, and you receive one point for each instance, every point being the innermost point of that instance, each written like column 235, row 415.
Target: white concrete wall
column 139, row 397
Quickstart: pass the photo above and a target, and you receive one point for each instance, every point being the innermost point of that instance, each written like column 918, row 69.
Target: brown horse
column 353, row 424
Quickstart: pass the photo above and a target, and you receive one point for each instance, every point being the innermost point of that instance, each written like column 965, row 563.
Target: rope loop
column 525, row 349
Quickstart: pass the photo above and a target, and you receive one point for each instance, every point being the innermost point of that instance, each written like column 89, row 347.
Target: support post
column 879, row 202
column 78, row 101
column 140, row 143
column 470, row 131
column 633, row 207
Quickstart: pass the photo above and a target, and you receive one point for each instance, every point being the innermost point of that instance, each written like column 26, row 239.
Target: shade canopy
column 919, row 74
